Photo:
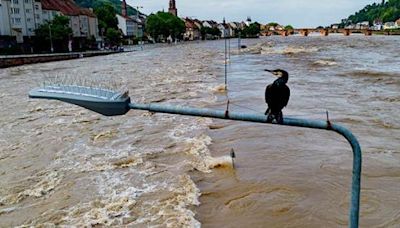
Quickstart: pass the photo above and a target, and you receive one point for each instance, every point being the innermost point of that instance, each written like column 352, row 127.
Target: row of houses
column 194, row 27
column 20, row 18
column 377, row 25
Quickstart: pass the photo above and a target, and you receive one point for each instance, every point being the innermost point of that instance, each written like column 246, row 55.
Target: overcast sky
column 306, row 13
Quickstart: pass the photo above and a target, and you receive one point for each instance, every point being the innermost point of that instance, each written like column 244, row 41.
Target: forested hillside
column 97, row 3
column 386, row 11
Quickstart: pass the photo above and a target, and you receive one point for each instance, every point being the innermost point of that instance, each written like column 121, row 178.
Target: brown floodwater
column 291, row 177
column 63, row 165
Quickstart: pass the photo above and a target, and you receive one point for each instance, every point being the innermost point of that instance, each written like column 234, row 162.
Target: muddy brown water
column 62, row 165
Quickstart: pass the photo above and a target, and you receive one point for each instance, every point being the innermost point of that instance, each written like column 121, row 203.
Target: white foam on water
column 325, row 63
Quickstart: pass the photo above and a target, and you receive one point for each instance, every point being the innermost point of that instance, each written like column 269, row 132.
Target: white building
column 126, row 25
column 5, row 25
column 83, row 22
column 390, row 25
column 20, row 18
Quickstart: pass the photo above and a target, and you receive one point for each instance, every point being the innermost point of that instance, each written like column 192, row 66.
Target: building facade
column 20, row 18
column 126, row 25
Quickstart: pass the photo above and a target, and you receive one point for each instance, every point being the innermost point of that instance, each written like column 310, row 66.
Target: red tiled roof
column 66, row 7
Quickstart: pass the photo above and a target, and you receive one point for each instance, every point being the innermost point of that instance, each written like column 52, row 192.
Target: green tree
column 113, row 36
column 385, row 11
column 214, row 32
column 288, row 27
column 164, row 24
column 253, row 30
column 272, row 24
column 108, row 24
column 106, row 16
column 60, row 34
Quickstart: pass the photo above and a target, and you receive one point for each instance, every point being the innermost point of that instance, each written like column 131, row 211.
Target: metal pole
column 324, row 125
column 229, row 49
column 137, row 27
column 239, row 42
column 51, row 40
column 226, row 66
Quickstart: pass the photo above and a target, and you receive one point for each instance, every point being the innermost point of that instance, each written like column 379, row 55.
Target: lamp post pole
column 51, row 40
column 137, row 26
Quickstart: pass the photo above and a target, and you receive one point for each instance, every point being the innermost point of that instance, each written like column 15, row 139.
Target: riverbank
column 18, row 60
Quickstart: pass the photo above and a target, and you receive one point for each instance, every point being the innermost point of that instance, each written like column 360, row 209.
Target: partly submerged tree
column 251, row 31
column 113, row 36
column 164, row 24
column 207, row 31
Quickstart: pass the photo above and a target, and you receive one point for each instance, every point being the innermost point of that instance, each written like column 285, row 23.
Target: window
column 14, row 10
column 28, row 19
column 16, row 20
column 27, row 1
column 15, row 1
column 28, row 10
column 37, row 16
column 36, row 7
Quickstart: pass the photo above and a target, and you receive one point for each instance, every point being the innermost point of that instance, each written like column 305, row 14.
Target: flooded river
column 63, row 165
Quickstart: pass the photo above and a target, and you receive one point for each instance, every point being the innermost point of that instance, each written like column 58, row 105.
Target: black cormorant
column 277, row 96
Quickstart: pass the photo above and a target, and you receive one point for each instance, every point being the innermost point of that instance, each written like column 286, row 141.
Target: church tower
column 172, row 8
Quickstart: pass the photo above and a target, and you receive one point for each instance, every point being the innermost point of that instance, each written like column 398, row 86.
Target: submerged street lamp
column 111, row 103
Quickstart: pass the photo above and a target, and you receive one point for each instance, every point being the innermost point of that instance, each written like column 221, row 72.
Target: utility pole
column 225, row 62
column 137, row 26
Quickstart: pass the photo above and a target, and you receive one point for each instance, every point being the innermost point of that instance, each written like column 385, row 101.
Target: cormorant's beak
column 272, row 72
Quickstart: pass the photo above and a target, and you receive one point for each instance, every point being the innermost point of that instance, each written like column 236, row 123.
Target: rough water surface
column 63, row 165
column 291, row 177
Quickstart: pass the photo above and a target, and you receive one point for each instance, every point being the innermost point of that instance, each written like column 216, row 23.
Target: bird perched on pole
column 277, row 96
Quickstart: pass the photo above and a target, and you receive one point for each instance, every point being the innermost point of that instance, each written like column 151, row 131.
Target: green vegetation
column 252, row 31
column 116, row 4
column 385, row 11
column 164, row 25
column 288, row 27
column 106, row 17
column 60, row 34
column 207, row 32
column 108, row 23
column 272, row 24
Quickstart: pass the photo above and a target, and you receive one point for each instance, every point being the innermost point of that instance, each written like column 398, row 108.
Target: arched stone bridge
column 322, row 31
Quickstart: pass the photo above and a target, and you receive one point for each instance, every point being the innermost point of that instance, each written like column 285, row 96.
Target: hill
column 96, row 3
column 385, row 11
